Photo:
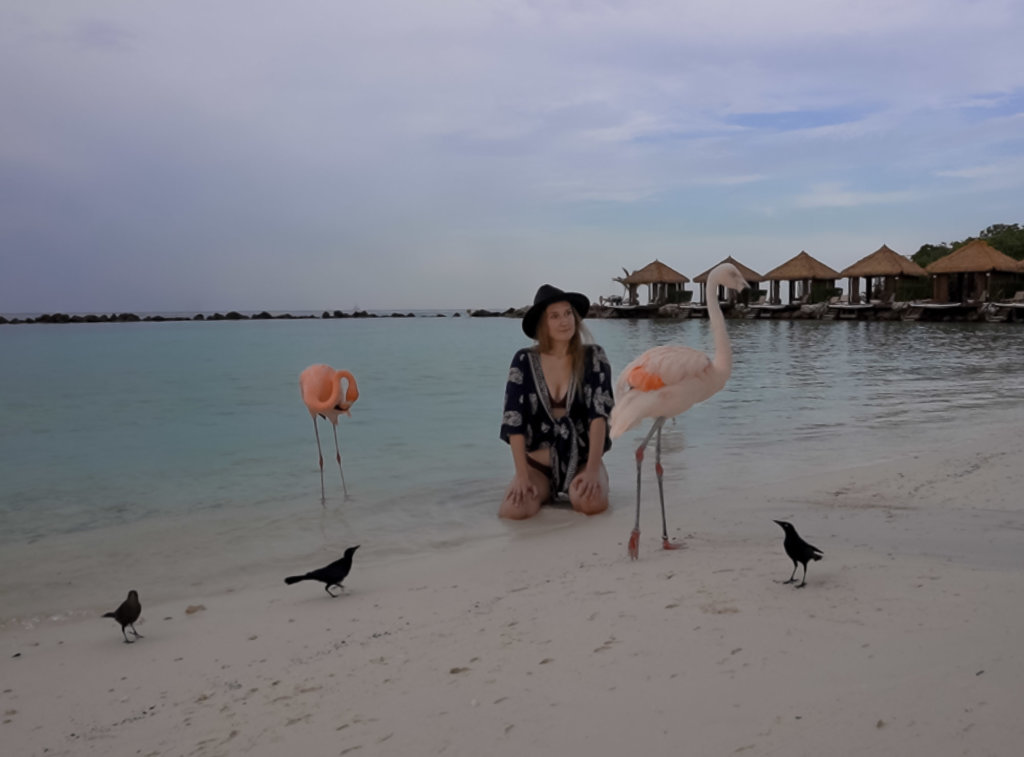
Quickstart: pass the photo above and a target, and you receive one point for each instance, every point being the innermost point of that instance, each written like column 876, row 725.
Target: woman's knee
column 597, row 502
column 527, row 506
column 592, row 505
column 518, row 510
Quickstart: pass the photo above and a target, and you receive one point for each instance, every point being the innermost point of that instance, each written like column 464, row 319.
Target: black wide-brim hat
column 548, row 295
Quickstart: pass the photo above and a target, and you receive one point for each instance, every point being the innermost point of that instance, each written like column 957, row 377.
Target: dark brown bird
column 330, row 575
column 127, row 614
column 799, row 551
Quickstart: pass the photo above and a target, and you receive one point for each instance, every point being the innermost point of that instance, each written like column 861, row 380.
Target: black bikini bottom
column 545, row 469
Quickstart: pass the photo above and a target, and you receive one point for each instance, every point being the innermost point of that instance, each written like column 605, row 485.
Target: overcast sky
column 203, row 155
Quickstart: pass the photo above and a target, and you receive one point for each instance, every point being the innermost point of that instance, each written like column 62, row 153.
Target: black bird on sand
column 126, row 614
column 330, row 575
column 799, row 551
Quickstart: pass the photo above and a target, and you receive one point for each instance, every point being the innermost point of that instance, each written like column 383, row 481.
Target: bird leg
column 803, row 579
column 137, row 634
column 634, row 544
column 792, row 578
column 125, row 634
column 320, row 457
column 337, row 450
column 634, row 537
column 327, row 588
column 665, row 543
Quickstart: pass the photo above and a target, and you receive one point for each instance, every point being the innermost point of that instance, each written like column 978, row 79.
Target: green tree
column 929, row 253
column 1007, row 238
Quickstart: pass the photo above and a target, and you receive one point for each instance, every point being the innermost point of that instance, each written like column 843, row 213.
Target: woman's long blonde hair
column 581, row 336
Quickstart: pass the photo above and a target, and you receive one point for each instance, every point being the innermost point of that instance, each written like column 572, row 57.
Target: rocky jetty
column 232, row 315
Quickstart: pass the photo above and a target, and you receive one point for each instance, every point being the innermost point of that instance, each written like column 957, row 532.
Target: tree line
column 1008, row 238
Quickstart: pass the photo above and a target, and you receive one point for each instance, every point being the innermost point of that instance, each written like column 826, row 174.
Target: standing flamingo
column 321, row 391
column 666, row 381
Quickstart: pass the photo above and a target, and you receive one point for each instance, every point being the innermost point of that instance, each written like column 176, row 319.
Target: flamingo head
column 729, row 276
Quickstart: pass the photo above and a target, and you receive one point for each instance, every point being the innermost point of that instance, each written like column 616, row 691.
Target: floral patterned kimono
column 528, row 411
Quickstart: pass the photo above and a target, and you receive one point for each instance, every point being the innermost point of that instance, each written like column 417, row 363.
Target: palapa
column 655, row 273
column 747, row 273
column 977, row 256
column 883, row 262
column 801, row 268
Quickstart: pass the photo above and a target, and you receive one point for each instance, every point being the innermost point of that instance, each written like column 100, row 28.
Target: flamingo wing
column 662, row 366
column 658, row 384
column 319, row 389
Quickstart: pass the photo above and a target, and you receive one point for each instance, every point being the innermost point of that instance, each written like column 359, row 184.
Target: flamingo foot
column 634, row 544
column 666, row 544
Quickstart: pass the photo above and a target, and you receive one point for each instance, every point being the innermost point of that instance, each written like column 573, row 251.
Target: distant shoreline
column 993, row 312
column 234, row 315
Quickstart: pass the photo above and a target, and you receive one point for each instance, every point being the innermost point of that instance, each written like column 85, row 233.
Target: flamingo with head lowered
column 321, row 392
column 666, row 381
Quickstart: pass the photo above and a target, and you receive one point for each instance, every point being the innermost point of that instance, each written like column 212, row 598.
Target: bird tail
column 631, row 407
column 295, row 579
column 816, row 556
column 109, row 615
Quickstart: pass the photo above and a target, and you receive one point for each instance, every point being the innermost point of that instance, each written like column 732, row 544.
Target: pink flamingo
column 321, row 391
column 666, row 381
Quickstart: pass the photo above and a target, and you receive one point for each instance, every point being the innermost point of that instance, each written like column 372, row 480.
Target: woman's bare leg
column 596, row 503
column 528, row 507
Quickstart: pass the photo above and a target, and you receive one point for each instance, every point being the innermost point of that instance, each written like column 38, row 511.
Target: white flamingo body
column 689, row 376
column 668, row 380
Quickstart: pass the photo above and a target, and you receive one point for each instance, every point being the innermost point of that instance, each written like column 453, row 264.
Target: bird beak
column 777, row 521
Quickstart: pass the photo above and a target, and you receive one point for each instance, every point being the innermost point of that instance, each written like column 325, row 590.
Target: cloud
column 975, row 172
column 836, row 195
column 239, row 146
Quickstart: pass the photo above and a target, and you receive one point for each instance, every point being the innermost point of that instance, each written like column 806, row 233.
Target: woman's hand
column 521, row 489
column 587, row 484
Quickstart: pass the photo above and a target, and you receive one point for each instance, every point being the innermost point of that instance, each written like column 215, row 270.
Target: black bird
column 331, row 575
column 799, row 551
column 126, row 614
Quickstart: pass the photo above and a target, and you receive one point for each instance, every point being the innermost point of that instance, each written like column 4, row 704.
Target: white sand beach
column 549, row 640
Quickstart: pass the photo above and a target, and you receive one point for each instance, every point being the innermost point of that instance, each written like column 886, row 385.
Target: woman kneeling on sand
column 557, row 403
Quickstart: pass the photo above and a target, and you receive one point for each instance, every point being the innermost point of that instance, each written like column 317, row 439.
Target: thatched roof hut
column 975, row 271
column 816, row 279
column 885, row 264
column 752, row 277
column 656, row 272
column 977, row 256
column 665, row 284
column 802, row 267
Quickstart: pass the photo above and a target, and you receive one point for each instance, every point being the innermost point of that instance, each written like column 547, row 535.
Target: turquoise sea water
column 109, row 425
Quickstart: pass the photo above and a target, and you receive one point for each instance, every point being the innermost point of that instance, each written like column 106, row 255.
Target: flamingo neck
column 722, row 360
column 351, row 391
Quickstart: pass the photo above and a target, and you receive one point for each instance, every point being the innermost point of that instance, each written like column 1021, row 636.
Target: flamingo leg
column 320, row 457
column 665, row 543
column 634, row 537
column 337, row 450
